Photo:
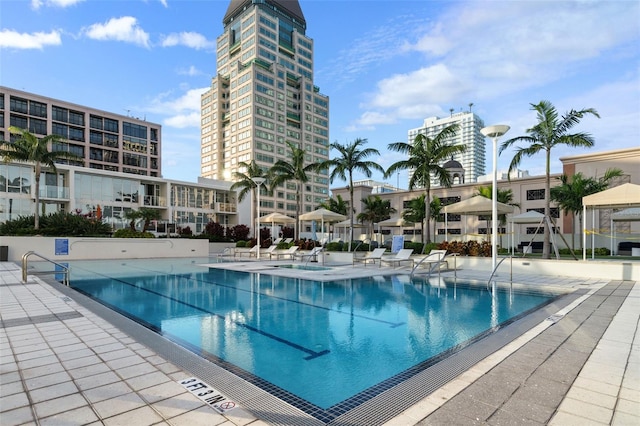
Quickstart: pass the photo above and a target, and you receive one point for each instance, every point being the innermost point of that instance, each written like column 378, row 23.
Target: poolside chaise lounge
column 372, row 256
column 308, row 256
column 288, row 240
column 403, row 255
column 283, row 254
column 251, row 253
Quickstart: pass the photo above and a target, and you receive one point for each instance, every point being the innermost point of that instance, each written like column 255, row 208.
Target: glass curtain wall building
column 263, row 96
column 105, row 141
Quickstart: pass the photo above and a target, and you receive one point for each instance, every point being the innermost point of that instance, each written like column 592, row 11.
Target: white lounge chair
column 277, row 241
column 308, row 256
column 403, row 255
column 251, row 253
column 372, row 256
column 283, row 254
column 288, row 240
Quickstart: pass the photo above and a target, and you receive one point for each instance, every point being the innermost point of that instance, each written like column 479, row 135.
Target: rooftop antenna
column 470, row 105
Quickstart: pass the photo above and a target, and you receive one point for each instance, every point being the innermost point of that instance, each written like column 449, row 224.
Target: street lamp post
column 494, row 132
column 258, row 181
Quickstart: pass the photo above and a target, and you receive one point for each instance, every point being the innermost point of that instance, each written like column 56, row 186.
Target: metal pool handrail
column 25, row 267
column 498, row 265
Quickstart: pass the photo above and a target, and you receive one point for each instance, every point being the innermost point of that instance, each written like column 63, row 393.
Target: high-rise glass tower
column 263, row 96
column 473, row 159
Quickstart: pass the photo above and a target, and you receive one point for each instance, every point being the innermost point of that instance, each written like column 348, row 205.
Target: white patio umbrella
column 274, row 218
column 346, row 224
column 323, row 215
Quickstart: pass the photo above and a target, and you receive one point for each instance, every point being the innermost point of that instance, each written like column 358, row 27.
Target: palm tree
column 375, row 210
column 29, row 148
column 337, row 205
column 568, row 195
column 425, row 156
column 295, row 170
column 550, row 131
column 434, row 210
column 352, row 158
column 414, row 212
column 505, row 196
column 244, row 182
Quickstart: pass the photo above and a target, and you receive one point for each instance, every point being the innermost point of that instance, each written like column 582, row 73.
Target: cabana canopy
column 626, row 195
column 627, row 215
column 619, row 197
column 528, row 217
column 477, row 205
column 395, row 222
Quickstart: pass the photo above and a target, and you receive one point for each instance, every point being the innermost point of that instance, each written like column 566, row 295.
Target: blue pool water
column 322, row 342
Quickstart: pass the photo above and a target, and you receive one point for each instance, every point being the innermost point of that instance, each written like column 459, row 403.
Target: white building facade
column 473, row 159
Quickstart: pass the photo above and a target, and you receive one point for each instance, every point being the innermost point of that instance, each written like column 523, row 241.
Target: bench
column 624, row 247
column 536, row 246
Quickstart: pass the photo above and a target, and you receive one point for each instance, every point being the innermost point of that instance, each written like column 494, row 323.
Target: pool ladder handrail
column 25, row 268
column 435, row 264
column 498, row 265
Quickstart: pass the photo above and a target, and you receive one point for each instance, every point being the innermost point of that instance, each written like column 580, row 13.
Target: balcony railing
column 54, row 192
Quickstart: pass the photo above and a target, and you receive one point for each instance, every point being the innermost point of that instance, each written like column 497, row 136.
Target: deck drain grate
column 16, row 322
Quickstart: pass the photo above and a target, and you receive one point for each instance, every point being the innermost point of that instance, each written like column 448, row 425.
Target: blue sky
column 386, row 65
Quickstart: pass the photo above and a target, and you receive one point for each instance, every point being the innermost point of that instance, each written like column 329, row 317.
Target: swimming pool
column 328, row 345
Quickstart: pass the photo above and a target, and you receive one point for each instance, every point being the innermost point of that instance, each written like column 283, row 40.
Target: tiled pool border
column 373, row 411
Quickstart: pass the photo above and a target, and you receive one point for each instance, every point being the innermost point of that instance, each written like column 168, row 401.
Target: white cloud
column 474, row 52
column 189, row 39
column 15, row 40
column 37, row 4
column 120, row 29
column 164, row 3
column 182, row 112
column 191, row 71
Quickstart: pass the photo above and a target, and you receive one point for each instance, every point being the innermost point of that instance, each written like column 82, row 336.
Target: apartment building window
column 17, row 121
column 37, row 109
column 38, row 126
column 18, row 105
column 535, row 194
column 60, row 114
column 76, row 118
column 450, row 231
column 554, row 212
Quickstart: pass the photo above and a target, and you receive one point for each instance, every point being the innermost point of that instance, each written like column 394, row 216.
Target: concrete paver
column 584, row 369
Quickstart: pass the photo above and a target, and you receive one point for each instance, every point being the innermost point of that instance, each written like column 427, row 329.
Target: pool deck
column 63, row 364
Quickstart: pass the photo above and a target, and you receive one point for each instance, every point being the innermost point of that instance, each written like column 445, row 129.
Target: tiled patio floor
column 62, row 364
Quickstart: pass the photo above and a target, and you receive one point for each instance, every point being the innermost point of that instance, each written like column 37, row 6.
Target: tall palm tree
column 293, row 169
column 505, row 196
column 352, row 158
column 550, row 131
column 415, row 211
column 337, row 205
column 29, row 148
column 244, row 182
column 375, row 210
column 568, row 195
column 425, row 156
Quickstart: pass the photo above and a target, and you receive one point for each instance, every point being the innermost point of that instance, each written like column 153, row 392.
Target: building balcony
column 54, row 192
column 223, row 207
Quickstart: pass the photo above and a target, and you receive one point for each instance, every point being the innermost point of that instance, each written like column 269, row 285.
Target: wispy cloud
column 37, row 4
column 15, row 40
column 191, row 71
column 124, row 29
column 182, row 111
column 189, row 39
column 475, row 53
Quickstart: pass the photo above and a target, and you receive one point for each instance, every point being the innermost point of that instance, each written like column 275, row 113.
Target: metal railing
column 498, row 265
column 433, row 263
column 25, row 268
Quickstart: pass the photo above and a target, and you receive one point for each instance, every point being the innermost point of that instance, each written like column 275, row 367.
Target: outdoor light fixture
column 258, row 181
column 494, row 132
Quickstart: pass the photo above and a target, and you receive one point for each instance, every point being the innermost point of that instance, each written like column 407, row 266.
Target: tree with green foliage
column 246, row 185
column 28, row 148
column 375, row 210
column 294, row 170
column 352, row 158
column 337, row 205
column 425, row 157
column 550, row 131
column 568, row 195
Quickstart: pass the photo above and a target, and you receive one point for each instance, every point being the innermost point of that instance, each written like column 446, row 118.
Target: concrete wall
column 104, row 248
